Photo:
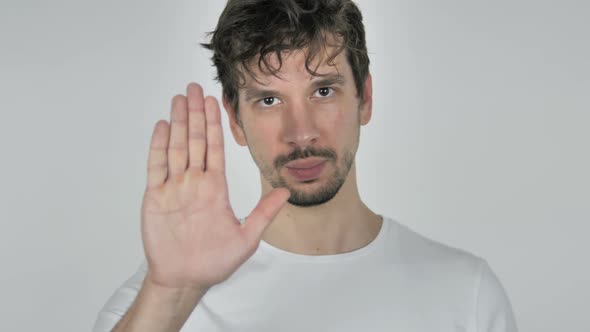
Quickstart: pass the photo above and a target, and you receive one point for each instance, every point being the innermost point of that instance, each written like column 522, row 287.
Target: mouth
column 305, row 163
column 306, row 169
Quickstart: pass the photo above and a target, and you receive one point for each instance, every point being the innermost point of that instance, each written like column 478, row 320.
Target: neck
column 340, row 225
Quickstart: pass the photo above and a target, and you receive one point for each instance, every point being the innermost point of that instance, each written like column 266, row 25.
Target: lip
column 305, row 163
column 307, row 174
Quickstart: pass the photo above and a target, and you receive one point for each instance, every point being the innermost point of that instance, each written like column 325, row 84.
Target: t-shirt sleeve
column 120, row 301
column 493, row 311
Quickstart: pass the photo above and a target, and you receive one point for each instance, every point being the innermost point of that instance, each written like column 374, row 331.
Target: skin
column 191, row 236
column 300, row 115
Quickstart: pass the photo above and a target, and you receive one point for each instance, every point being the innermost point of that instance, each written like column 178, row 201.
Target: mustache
column 299, row 153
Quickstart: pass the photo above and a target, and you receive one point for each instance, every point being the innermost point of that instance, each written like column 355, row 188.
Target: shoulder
column 120, row 300
column 422, row 249
column 426, row 257
column 463, row 280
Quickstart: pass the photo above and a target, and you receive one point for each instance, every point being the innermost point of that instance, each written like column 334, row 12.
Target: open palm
column 191, row 236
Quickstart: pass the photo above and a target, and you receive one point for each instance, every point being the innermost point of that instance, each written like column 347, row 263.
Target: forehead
column 297, row 64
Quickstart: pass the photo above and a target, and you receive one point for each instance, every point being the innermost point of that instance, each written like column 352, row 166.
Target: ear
column 366, row 108
column 236, row 128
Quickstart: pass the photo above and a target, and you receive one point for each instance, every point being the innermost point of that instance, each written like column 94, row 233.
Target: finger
column 197, row 140
column 157, row 169
column 215, row 158
column 178, row 146
column 264, row 213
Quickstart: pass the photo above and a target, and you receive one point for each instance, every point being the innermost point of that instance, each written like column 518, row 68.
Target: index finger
column 196, row 124
column 215, row 157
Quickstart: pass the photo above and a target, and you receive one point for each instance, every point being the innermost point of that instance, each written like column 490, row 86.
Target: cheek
column 260, row 137
column 340, row 123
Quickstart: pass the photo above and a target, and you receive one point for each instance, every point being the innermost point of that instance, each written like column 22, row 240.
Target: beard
column 321, row 195
column 325, row 193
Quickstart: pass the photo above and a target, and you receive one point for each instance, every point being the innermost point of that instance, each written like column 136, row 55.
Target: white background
column 479, row 139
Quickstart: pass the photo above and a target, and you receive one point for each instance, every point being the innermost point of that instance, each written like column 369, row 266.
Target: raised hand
column 191, row 236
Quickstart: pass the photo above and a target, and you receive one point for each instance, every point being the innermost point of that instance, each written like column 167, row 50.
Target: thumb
column 264, row 213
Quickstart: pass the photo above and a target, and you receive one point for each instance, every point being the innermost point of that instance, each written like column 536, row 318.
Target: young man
column 311, row 256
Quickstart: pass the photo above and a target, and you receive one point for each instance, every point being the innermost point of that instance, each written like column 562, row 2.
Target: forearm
column 159, row 309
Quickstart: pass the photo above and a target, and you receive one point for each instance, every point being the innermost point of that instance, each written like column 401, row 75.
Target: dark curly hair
column 250, row 30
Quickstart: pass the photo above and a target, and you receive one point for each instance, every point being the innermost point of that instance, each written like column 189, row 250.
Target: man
column 311, row 256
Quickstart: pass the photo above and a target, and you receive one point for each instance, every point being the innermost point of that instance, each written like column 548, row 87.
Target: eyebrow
column 254, row 93
column 329, row 80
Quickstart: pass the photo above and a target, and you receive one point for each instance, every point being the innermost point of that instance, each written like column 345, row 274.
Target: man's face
column 299, row 120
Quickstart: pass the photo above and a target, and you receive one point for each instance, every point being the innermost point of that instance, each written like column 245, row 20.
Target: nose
column 299, row 125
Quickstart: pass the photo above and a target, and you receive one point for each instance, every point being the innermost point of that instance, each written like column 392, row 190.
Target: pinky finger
column 157, row 169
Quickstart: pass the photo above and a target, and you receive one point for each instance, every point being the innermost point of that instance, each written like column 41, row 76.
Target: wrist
column 169, row 292
column 162, row 308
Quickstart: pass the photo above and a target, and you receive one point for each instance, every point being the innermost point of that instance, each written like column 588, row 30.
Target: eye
column 324, row 92
column 269, row 101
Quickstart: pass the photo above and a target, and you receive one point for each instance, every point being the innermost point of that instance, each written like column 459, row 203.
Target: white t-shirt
column 401, row 281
